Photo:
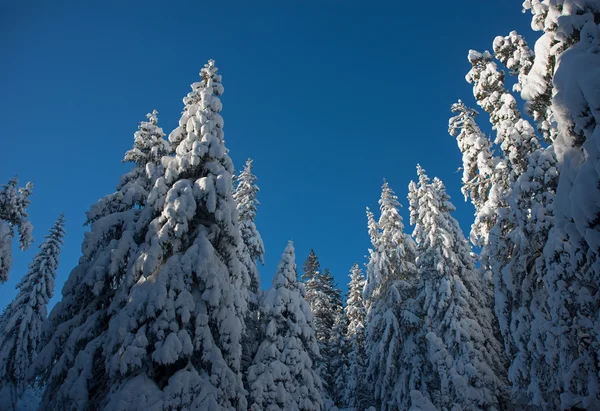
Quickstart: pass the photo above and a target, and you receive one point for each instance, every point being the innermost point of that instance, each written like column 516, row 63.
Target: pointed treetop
column 152, row 117
column 286, row 269
column 248, row 166
column 388, row 197
column 423, row 179
column 245, row 193
column 311, row 266
column 373, row 228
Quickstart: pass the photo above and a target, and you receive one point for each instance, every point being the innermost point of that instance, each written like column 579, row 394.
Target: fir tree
column 339, row 360
column 311, row 266
column 176, row 343
column 390, row 273
column 282, row 375
column 245, row 197
column 324, row 299
column 253, row 249
column 564, row 73
column 354, row 392
column 71, row 361
column 13, row 214
column 21, row 322
column 478, row 162
column 465, row 367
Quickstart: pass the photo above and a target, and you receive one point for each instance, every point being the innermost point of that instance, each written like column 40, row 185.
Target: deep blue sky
column 327, row 97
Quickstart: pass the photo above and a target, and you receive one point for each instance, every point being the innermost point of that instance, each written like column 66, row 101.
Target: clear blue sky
column 328, row 98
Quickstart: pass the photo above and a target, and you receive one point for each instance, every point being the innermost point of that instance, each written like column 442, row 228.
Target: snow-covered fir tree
column 311, row 266
column 465, row 368
column 325, row 301
column 246, row 202
column 176, row 343
column 21, row 322
column 354, row 392
column 478, row 163
column 518, row 215
column 563, row 77
column 339, row 361
column 148, row 149
column 282, row 376
column 252, row 251
column 13, row 215
column 72, row 360
column 390, row 273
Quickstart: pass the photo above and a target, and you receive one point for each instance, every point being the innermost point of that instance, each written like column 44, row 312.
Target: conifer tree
column 71, row 361
column 390, row 273
column 13, row 214
column 464, row 358
column 478, row 164
column 176, row 343
column 354, row 392
column 563, row 75
column 339, row 360
column 325, row 301
column 246, row 202
column 282, row 375
column 252, row 251
column 311, row 266
column 21, row 322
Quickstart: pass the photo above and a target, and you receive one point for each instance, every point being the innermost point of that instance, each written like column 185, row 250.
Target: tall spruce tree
column 282, row 375
column 176, row 343
column 13, row 214
column 390, row 274
column 72, row 360
column 21, row 322
column 465, row 367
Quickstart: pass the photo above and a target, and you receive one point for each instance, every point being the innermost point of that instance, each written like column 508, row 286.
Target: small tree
column 354, row 391
column 324, row 299
column 282, row 376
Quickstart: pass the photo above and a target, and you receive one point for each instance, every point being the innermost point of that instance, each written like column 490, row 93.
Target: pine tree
column 282, row 375
column 13, row 214
column 390, row 273
column 465, row 367
column 176, row 343
column 71, row 361
column 21, row 322
column 354, row 392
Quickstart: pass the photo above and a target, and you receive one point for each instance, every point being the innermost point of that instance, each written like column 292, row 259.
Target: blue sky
column 327, row 97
